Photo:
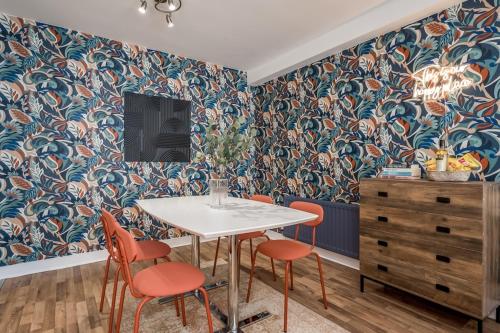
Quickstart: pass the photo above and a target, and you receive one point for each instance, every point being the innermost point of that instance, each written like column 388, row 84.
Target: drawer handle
column 444, row 230
column 442, row 288
column 382, row 243
column 383, row 194
column 444, row 200
column 443, row 258
column 382, row 268
column 382, row 219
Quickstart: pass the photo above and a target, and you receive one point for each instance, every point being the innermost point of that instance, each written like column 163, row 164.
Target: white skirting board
column 7, row 272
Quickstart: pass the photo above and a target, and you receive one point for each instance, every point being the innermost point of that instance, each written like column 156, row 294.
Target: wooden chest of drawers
column 437, row 240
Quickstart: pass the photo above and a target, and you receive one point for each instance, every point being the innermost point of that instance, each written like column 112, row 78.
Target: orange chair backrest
column 310, row 208
column 126, row 248
column 262, row 198
column 107, row 222
column 114, row 233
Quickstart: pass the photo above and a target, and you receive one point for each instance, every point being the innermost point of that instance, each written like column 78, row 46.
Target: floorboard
column 67, row 300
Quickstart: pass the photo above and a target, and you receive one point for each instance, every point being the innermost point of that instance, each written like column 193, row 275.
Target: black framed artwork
column 157, row 129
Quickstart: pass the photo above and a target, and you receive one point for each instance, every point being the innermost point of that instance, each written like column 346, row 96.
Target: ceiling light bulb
column 170, row 23
column 142, row 8
column 171, row 5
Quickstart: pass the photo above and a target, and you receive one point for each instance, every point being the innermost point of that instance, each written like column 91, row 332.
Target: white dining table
column 194, row 215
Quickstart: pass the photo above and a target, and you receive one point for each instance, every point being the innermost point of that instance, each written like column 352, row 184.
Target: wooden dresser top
column 423, row 181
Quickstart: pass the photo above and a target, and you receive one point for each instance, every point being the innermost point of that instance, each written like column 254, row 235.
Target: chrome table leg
column 195, row 250
column 232, row 295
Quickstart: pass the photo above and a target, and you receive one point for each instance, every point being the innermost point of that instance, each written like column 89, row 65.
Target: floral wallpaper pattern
column 61, row 143
column 325, row 126
column 319, row 129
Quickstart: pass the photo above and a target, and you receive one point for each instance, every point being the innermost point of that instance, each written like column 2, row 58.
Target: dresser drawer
column 441, row 259
column 446, row 290
column 455, row 231
column 453, row 199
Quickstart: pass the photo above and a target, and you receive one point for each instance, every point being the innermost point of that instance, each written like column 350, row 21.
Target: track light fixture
column 167, row 7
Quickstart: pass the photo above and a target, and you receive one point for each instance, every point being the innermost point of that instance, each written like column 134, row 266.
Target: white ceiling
column 263, row 37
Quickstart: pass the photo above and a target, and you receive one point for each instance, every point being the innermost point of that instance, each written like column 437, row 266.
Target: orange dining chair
column 146, row 250
column 248, row 235
column 162, row 280
column 289, row 250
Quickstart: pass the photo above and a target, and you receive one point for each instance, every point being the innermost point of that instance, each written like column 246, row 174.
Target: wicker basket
column 449, row 176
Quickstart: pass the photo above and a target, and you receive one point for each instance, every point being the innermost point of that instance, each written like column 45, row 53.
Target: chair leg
column 285, row 315
column 291, row 275
column 155, row 261
column 252, row 271
column 183, row 310
column 274, row 271
column 104, row 283
column 216, row 255
column 113, row 300
column 272, row 261
column 120, row 307
column 239, row 260
column 177, row 306
column 320, row 269
column 251, row 248
column 207, row 309
column 138, row 313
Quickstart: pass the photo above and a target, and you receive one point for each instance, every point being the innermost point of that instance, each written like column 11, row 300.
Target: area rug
column 162, row 318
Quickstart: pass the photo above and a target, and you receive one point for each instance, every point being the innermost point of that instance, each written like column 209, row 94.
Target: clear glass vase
column 219, row 189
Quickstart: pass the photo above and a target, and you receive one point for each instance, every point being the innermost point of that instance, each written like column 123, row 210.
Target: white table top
column 194, row 215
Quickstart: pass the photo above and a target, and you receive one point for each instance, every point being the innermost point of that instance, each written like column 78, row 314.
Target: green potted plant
column 223, row 149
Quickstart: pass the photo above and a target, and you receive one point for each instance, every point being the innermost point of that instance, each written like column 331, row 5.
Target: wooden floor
column 67, row 300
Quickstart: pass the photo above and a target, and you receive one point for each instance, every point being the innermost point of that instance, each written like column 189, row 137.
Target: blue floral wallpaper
column 323, row 127
column 319, row 129
column 61, row 136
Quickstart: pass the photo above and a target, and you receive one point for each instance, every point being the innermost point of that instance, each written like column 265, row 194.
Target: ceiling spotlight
column 170, row 23
column 143, row 7
column 171, row 5
column 167, row 7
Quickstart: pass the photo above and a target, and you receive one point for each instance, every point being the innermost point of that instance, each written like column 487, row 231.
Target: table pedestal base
column 247, row 322
column 233, row 325
column 216, row 311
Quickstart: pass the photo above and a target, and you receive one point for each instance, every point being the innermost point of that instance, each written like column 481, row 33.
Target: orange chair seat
column 151, row 249
column 169, row 278
column 249, row 235
column 284, row 249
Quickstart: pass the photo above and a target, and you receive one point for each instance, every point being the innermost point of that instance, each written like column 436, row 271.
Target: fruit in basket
column 431, row 165
column 469, row 161
column 464, row 163
column 455, row 165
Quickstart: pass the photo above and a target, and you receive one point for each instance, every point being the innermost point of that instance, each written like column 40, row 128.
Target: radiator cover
column 339, row 231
